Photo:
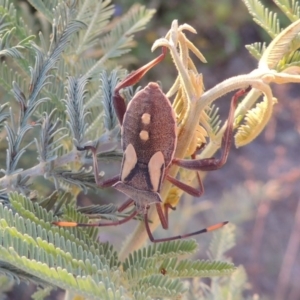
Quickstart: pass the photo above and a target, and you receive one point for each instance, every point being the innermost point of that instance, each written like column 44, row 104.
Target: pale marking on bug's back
column 146, row 118
column 155, row 167
column 130, row 160
column 144, row 135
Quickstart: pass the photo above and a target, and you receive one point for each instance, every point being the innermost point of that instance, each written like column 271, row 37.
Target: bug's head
column 141, row 198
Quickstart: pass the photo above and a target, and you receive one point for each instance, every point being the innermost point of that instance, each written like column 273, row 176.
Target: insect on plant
column 149, row 141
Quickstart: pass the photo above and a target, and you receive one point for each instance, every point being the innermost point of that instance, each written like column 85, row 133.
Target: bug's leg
column 200, row 184
column 209, row 164
column 196, row 192
column 185, row 187
column 177, row 237
column 107, row 183
column 95, row 165
column 131, row 79
column 126, row 204
column 99, row 224
column 163, row 213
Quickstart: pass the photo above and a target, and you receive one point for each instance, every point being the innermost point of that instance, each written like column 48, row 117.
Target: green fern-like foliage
column 37, row 80
column 59, row 86
column 281, row 55
column 34, row 250
column 269, row 22
column 58, row 82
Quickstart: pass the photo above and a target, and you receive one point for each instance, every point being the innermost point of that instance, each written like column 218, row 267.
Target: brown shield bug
column 149, row 141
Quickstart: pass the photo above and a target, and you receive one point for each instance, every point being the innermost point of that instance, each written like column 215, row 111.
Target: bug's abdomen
column 150, row 125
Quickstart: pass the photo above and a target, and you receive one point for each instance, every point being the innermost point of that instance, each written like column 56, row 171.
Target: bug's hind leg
column 210, row 164
column 178, row 237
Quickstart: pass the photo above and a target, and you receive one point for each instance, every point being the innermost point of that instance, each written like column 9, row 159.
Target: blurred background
column 257, row 190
